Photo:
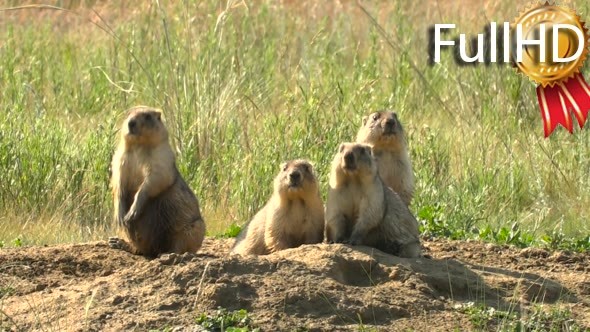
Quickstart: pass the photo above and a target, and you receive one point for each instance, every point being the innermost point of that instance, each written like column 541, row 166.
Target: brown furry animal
column 293, row 216
column 361, row 209
column 154, row 206
column 385, row 134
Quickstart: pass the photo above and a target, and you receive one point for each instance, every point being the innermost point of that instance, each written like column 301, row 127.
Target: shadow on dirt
column 465, row 282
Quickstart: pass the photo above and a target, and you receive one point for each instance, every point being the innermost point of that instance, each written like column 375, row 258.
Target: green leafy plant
column 504, row 235
column 535, row 319
column 224, row 320
column 18, row 242
column 434, row 223
column 483, row 317
column 557, row 240
column 552, row 320
column 232, row 231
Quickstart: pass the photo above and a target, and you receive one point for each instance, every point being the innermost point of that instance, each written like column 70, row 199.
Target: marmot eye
column 375, row 116
column 148, row 117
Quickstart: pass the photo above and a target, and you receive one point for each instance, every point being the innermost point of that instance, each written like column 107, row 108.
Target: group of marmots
column 371, row 186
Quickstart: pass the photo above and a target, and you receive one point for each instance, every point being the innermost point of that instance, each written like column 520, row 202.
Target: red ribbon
column 557, row 101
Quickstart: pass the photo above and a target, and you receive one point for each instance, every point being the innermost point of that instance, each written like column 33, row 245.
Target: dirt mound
column 314, row 287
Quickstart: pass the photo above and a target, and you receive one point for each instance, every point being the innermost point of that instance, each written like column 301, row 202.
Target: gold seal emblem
column 550, row 72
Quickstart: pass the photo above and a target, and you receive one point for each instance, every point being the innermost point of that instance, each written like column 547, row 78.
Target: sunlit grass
column 244, row 88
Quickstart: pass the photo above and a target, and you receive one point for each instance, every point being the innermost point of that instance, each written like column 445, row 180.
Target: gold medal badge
column 555, row 65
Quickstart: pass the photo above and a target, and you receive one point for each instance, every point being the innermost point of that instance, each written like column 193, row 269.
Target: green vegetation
column 17, row 242
column 232, row 231
column 228, row 321
column 6, row 291
column 483, row 317
column 435, row 226
column 535, row 319
column 246, row 87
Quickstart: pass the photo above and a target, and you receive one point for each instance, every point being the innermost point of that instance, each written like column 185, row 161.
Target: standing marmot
column 385, row 134
column 361, row 209
column 155, row 207
column 293, row 216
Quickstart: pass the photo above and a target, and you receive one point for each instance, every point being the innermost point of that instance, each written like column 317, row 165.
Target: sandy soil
column 320, row 287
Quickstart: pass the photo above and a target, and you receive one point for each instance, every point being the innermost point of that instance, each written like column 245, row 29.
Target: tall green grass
column 246, row 87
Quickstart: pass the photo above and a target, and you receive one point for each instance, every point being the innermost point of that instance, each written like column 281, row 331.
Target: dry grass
column 245, row 87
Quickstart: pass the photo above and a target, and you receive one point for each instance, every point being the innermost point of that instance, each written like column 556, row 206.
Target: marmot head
column 143, row 126
column 382, row 129
column 355, row 159
column 296, row 178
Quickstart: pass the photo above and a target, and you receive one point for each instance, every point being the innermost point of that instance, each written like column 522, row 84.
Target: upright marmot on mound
column 361, row 209
column 155, row 208
column 385, row 134
column 293, row 216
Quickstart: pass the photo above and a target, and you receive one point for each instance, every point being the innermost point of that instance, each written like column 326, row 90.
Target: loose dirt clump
column 313, row 287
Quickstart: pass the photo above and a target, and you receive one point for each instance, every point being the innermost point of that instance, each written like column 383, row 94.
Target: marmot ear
column 341, row 147
column 158, row 115
column 365, row 118
column 283, row 166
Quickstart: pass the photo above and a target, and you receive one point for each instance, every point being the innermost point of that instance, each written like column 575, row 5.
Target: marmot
column 384, row 133
column 361, row 209
column 153, row 205
column 293, row 216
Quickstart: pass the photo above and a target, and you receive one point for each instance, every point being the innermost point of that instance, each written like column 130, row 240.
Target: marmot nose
column 349, row 158
column 295, row 176
column 390, row 123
